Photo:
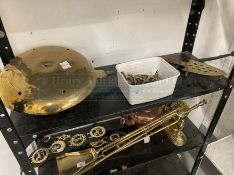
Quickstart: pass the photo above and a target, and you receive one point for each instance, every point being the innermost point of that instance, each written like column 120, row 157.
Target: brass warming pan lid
column 46, row 80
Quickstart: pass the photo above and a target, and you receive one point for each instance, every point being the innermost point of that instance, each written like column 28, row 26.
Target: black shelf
column 159, row 147
column 168, row 166
column 107, row 101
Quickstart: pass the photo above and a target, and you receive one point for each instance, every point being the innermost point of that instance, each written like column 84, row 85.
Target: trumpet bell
column 69, row 163
column 46, row 80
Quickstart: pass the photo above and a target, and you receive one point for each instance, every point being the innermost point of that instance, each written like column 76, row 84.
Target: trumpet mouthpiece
column 201, row 103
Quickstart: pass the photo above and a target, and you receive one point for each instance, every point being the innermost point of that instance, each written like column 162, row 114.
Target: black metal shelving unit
column 107, row 102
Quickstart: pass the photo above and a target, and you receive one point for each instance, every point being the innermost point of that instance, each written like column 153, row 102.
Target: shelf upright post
column 188, row 44
column 7, row 128
column 192, row 25
column 226, row 93
column 6, row 52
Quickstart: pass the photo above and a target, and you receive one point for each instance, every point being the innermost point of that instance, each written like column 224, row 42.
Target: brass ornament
column 122, row 121
column 57, row 147
column 46, row 80
column 77, row 140
column 114, row 137
column 64, row 137
column 46, row 138
column 97, row 132
column 92, row 157
column 98, row 143
column 40, row 155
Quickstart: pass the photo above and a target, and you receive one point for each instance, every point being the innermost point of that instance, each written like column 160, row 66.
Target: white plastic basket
column 136, row 94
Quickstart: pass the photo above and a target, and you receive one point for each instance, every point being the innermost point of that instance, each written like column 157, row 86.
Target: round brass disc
column 46, row 80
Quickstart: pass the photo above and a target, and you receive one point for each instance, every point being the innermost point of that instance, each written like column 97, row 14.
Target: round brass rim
column 46, row 80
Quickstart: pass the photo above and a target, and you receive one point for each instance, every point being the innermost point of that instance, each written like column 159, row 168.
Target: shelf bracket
column 192, row 25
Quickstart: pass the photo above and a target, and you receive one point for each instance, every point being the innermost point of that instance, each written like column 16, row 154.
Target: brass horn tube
column 144, row 133
column 201, row 103
column 141, row 137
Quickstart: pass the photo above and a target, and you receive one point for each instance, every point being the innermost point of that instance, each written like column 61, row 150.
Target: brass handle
column 102, row 73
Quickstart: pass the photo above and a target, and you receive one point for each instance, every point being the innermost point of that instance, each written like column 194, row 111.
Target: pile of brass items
column 47, row 80
column 63, row 141
column 77, row 163
column 196, row 67
column 141, row 78
column 42, row 154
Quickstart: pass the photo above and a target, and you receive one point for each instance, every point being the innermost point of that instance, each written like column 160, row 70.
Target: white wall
column 112, row 31
column 107, row 31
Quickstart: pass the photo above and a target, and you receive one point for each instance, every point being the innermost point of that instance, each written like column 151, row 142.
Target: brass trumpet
column 88, row 159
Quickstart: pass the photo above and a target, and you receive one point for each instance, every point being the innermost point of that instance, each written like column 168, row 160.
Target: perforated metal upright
column 189, row 40
column 7, row 128
column 195, row 13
